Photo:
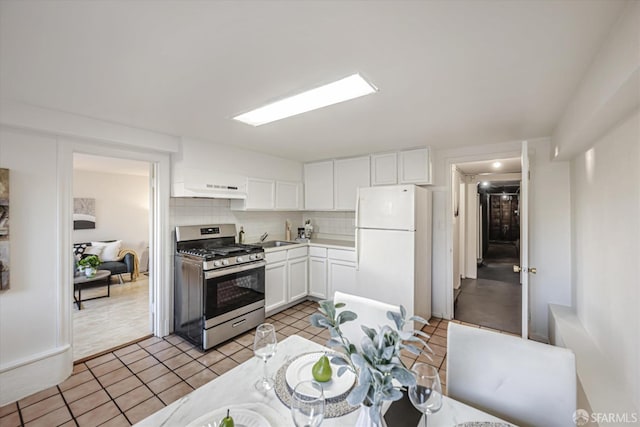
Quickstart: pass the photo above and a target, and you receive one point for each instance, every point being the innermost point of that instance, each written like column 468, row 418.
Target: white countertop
column 235, row 388
column 325, row 243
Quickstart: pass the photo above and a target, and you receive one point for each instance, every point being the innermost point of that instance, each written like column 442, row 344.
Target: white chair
column 371, row 313
column 524, row 382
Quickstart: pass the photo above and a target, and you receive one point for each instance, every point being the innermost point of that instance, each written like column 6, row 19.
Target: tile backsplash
column 192, row 211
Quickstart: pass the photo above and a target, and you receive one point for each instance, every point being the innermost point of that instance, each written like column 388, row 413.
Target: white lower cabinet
column 318, row 277
column 342, row 276
column 275, row 283
column 298, row 276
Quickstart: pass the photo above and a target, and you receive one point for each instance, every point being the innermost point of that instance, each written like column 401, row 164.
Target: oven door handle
column 232, row 270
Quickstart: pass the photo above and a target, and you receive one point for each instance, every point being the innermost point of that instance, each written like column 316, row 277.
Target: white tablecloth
column 236, row 388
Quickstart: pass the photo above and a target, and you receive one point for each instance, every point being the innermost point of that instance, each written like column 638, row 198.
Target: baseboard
column 28, row 376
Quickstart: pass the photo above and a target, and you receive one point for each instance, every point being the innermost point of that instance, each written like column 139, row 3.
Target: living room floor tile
column 126, row 385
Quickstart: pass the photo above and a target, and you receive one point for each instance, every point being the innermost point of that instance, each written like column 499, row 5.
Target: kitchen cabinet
column 288, row 195
column 349, row 175
column 260, row 193
column 286, row 277
column 341, row 266
column 275, row 284
column 414, row 166
column 384, row 169
column 268, row 195
column 318, row 272
column 318, row 186
column 298, row 278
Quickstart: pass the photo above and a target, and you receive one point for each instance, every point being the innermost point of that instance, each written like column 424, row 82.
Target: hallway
column 494, row 299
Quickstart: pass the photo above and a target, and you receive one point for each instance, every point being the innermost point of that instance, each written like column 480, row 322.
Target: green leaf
column 346, row 316
column 419, row 320
column 357, row 395
column 339, row 360
column 339, row 305
column 318, row 320
column 368, row 331
column 396, row 319
column 404, row 376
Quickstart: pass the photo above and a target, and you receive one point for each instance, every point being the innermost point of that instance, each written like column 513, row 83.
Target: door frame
column 159, row 246
column 449, row 163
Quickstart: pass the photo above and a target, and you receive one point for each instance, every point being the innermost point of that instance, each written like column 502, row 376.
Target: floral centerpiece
column 378, row 363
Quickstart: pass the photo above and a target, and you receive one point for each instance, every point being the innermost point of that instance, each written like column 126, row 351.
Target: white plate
column 241, row 418
column 300, row 370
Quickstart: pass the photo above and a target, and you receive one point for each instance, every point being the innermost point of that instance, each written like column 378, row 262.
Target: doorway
column 489, row 292
column 111, row 220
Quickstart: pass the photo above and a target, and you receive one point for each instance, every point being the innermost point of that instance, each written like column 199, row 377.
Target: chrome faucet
column 264, row 237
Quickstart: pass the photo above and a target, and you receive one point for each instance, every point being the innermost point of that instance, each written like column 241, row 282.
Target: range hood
column 208, row 184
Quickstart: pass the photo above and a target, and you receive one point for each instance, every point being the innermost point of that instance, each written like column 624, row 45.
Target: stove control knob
column 252, row 257
column 217, row 263
column 258, row 256
column 239, row 259
column 225, row 262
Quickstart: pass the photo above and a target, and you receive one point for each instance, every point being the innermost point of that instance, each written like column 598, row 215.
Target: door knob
column 517, row 269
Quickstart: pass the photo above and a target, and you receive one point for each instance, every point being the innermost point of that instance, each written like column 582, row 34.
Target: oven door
column 233, row 288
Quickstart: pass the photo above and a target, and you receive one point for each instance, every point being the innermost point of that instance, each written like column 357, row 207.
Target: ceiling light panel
column 342, row 90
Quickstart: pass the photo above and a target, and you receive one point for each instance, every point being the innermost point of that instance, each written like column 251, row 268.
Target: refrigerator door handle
column 357, row 250
column 357, row 231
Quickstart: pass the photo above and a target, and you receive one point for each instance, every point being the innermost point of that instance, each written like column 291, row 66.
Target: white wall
column 122, row 208
column 605, row 183
column 30, row 327
column 332, row 225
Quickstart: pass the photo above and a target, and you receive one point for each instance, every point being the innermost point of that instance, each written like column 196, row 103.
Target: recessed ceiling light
column 496, row 165
column 342, row 90
column 485, row 184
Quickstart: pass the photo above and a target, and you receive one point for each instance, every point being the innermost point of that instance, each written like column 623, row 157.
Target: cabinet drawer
column 276, row 256
column 342, row 255
column 297, row 252
column 316, row 251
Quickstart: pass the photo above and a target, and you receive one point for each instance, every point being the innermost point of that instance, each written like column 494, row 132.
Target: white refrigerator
column 393, row 246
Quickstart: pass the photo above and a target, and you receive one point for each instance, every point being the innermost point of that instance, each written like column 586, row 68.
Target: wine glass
column 264, row 347
column 307, row 404
column 426, row 395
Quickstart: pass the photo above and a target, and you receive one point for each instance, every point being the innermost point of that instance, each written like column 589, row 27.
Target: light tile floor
column 124, row 386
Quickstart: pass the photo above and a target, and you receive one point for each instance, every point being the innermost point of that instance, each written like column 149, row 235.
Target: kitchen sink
column 275, row 243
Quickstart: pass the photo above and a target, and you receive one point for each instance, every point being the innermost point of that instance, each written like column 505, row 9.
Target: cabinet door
column 288, row 195
column 342, row 277
column 275, row 284
column 318, row 277
column 349, row 175
column 260, row 193
column 318, row 186
column 415, row 167
column 384, row 169
column 298, row 276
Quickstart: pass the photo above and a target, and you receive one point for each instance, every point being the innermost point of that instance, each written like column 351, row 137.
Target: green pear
column 321, row 370
column 227, row 421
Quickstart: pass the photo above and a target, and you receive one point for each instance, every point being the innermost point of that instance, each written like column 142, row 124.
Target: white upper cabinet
column 288, row 195
column 384, row 169
column 414, row 166
column 349, row 175
column 318, row 186
column 260, row 193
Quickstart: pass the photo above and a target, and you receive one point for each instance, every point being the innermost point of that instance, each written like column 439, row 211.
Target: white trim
column 33, row 359
column 30, row 375
column 159, row 239
column 503, row 153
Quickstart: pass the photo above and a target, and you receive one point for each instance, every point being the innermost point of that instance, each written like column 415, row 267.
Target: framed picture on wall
column 84, row 213
column 4, row 229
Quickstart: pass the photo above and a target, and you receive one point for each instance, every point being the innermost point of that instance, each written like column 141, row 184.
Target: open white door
column 524, row 268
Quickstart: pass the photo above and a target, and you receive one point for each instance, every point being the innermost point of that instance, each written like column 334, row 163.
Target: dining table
column 235, row 390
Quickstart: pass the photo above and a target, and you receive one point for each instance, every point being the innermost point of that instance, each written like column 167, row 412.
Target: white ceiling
column 450, row 73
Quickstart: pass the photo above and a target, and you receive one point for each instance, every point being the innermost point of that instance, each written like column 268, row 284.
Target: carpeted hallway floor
column 494, row 299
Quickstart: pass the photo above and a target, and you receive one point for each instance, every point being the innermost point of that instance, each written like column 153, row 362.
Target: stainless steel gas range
column 219, row 284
